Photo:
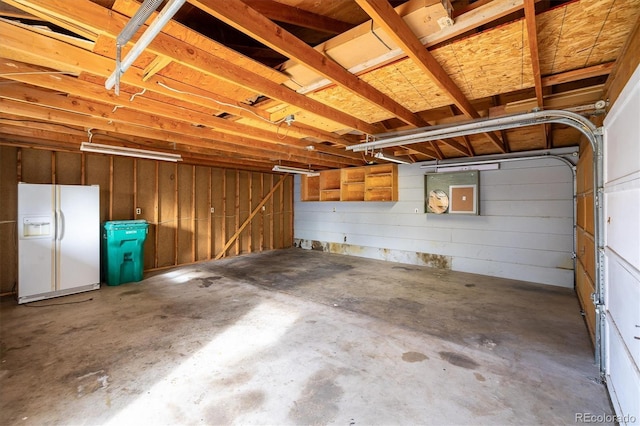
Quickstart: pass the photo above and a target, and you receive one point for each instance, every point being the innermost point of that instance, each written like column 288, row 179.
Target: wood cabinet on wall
column 368, row 183
column 192, row 210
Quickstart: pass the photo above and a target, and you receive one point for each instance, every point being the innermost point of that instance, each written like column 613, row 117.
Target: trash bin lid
column 125, row 224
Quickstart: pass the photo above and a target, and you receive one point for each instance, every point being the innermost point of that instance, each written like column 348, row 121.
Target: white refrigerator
column 58, row 240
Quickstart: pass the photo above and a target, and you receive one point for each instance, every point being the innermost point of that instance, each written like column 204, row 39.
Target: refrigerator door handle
column 60, row 227
column 55, row 225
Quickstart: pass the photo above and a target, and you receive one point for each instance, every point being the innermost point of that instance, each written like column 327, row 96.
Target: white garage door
column 622, row 251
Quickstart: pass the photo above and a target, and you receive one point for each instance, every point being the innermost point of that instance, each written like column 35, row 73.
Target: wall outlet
column 264, row 208
column 213, row 209
column 334, row 209
column 416, row 210
column 138, row 210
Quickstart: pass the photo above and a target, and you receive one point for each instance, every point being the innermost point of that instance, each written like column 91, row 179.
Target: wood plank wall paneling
column 585, row 270
column 203, row 215
column 176, row 200
column 36, row 166
column 68, row 168
column 185, row 212
column 244, row 210
column 146, row 201
column 167, row 214
column 122, row 190
column 256, row 223
column 97, row 173
column 8, row 217
column 217, row 201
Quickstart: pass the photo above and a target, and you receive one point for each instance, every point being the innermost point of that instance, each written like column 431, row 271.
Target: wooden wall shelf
column 367, row 183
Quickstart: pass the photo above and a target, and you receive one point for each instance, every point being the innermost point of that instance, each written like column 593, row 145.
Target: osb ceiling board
column 485, row 64
column 492, row 62
column 368, row 41
column 584, row 33
column 526, row 139
column 409, row 85
column 278, row 111
column 343, row 100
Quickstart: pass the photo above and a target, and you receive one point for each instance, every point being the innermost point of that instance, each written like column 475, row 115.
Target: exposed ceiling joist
column 579, row 74
column 101, row 20
column 244, row 18
column 74, row 112
column 532, row 35
column 210, row 92
column 294, row 15
column 385, row 16
column 90, row 91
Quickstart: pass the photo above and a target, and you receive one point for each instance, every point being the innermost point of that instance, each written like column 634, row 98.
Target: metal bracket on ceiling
column 144, row 12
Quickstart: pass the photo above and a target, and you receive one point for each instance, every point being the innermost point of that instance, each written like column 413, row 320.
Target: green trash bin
column 123, row 250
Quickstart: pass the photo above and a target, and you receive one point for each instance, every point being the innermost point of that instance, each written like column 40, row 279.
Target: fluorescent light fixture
column 129, row 152
column 286, row 169
column 461, row 168
column 392, row 158
column 145, row 39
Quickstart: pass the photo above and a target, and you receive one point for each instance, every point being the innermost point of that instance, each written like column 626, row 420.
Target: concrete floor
column 300, row 337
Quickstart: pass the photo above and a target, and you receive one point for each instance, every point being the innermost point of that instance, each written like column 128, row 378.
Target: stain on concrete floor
column 413, row 356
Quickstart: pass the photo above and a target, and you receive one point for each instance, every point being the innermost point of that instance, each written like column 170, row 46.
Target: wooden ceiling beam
column 282, row 12
column 432, row 153
column 467, row 143
column 33, row 75
column 22, row 44
column 19, row 43
column 485, row 13
column 579, row 74
column 532, row 35
column 229, row 70
column 389, row 20
column 249, row 21
column 71, row 144
column 106, row 22
column 58, row 111
column 12, row 12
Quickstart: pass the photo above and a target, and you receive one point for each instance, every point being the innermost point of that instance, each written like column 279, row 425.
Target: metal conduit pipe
column 593, row 134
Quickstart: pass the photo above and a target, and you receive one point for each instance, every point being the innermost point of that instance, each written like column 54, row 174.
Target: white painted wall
column 622, row 251
column 524, row 231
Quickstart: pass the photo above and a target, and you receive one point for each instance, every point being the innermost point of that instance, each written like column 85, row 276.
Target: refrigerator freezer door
column 36, row 244
column 78, row 236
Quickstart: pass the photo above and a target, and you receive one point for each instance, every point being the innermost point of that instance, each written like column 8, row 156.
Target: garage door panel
column 622, row 377
column 622, row 301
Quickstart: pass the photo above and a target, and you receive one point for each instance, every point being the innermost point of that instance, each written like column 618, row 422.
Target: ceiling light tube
column 286, row 169
column 129, row 152
column 392, row 158
column 145, row 39
column 462, row 167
